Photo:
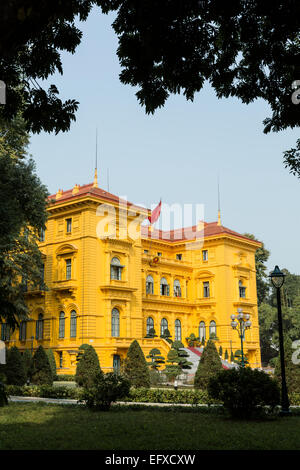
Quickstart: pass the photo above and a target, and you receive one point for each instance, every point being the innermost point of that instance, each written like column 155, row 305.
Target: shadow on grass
column 40, row 426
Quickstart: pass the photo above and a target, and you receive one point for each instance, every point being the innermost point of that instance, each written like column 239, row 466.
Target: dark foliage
column 3, row 395
column 209, row 365
column 15, row 369
column 27, row 359
column 22, row 205
column 135, row 366
column 52, row 362
column 88, row 366
column 292, row 370
column 106, row 389
column 40, row 373
column 244, row 391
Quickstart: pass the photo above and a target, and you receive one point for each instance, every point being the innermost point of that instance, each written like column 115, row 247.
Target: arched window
column 177, row 330
column 164, row 287
column 150, row 324
column 163, row 325
column 242, row 289
column 202, row 331
column 116, row 269
column 61, row 329
column 177, row 288
column 115, row 322
column 39, row 333
column 212, row 329
column 149, row 285
column 73, row 324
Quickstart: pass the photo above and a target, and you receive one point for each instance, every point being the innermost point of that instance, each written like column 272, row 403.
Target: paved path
column 68, row 401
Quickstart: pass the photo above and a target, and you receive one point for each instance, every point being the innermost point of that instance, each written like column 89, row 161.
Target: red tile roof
column 186, row 233
column 89, row 189
column 191, row 233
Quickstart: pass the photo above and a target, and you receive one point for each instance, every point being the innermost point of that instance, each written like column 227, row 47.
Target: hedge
column 44, row 391
column 137, row 395
column 65, row 378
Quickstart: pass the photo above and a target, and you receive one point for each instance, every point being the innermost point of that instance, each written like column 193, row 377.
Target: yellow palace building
column 107, row 286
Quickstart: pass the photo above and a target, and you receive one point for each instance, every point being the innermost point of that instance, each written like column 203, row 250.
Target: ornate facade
column 106, row 286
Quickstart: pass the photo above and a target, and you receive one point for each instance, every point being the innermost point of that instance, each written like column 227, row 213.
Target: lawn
column 58, row 427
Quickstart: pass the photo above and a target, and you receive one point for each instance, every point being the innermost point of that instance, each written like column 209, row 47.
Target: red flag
column 155, row 214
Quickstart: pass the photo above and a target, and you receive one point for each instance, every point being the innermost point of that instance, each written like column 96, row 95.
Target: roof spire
column 95, row 184
column 219, row 207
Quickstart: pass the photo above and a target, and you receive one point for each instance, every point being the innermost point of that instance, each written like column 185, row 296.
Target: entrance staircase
column 194, row 355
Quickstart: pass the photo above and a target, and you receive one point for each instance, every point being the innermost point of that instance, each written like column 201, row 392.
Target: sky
column 178, row 154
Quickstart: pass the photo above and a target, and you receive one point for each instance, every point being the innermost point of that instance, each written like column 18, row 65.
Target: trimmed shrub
column 40, row 372
column 193, row 341
column 209, row 365
column 52, row 362
column 156, row 359
column 244, row 392
column 167, row 336
column 65, row 378
column 135, row 366
column 14, row 369
column 177, row 357
column 88, row 366
column 158, row 395
column 106, row 389
column 3, row 395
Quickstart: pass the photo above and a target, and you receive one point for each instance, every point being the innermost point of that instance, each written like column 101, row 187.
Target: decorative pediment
column 66, row 249
column 204, row 274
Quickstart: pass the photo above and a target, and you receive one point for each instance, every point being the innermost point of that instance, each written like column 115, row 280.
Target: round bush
column 106, row 389
column 244, row 392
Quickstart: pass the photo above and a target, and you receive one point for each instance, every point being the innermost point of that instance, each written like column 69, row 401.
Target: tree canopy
column 22, row 216
column 246, row 49
column 262, row 282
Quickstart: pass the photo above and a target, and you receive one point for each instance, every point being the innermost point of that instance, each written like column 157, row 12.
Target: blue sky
column 175, row 154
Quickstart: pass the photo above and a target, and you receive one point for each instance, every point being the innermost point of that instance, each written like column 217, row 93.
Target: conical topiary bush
column 88, row 366
column 135, row 366
column 209, row 365
column 40, row 372
column 27, row 360
column 15, row 370
column 52, row 362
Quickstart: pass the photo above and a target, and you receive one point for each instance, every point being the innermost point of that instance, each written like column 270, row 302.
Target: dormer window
column 242, row 290
column 116, row 269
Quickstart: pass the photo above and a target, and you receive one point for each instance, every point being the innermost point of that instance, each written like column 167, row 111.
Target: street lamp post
column 277, row 278
column 242, row 324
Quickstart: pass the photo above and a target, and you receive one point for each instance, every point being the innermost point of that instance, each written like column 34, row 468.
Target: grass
column 38, row 426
